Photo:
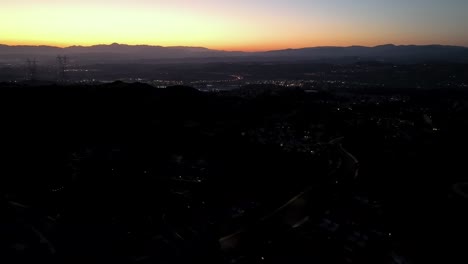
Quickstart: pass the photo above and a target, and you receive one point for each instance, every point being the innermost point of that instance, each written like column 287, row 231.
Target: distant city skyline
column 234, row 25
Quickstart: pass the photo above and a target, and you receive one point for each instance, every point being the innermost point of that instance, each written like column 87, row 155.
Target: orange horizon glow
column 240, row 25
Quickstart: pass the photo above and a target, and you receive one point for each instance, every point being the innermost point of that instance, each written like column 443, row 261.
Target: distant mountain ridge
column 123, row 53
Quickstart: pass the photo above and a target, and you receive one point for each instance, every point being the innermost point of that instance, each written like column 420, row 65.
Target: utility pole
column 61, row 68
column 32, row 69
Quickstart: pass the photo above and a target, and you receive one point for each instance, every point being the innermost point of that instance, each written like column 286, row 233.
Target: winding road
column 293, row 213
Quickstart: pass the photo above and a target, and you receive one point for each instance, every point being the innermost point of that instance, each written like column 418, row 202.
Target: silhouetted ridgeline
column 118, row 53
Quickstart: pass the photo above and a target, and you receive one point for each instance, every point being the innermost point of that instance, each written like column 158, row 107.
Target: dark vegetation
column 127, row 173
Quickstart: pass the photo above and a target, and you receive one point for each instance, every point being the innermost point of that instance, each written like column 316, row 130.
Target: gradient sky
column 234, row 25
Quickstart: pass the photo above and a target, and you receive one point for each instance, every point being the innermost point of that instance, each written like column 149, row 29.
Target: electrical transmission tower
column 61, row 68
column 32, row 69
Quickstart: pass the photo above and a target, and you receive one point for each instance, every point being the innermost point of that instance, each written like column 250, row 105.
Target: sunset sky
column 234, row 25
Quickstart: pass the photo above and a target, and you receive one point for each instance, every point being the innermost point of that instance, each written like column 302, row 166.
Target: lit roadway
column 293, row 213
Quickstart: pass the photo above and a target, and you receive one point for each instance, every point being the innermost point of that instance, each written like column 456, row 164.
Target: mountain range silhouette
column 129, row 53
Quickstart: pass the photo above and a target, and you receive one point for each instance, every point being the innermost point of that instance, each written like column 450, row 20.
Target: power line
column 62, row 62
column 32, row 69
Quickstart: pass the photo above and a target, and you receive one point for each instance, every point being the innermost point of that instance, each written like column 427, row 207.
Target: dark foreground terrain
column 127, row 173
